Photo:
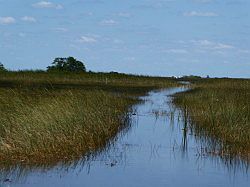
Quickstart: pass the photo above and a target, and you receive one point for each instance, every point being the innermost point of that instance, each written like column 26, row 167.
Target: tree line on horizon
column 72, row 65
column 69, row 64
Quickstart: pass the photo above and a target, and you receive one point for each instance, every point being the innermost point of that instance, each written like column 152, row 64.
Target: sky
column 150, row 37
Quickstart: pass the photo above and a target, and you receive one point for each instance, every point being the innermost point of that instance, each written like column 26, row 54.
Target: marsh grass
column 83, row 80
column 47, row 118
column 46, row 125
column 219, row 112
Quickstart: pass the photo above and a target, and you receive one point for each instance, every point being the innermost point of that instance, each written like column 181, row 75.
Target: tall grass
column 48, row 117
column 219, row 110
column 43, row 125
column 35, row 79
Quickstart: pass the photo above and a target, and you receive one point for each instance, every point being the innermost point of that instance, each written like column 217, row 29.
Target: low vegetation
column 42, row 125
column 64, row 79
column 219, row 110
column 52, row 116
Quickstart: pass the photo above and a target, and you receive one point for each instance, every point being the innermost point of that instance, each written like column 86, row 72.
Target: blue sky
column 153, row 37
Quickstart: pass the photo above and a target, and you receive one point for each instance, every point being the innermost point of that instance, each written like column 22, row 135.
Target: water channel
column 155, row 151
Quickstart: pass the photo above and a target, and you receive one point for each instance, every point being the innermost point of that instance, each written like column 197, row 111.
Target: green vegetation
column 53, row 116
column 219, row 110
column 2, row 68
column 115, row 82
column 67, row 112
column 69, row 64
column 40, row 125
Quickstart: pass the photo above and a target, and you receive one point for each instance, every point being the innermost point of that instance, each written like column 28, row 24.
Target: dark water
column 156, row 151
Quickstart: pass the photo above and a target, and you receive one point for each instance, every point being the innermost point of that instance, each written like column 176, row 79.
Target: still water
column 155, row 151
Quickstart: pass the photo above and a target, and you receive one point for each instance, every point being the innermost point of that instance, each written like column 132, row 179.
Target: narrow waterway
column 156, row 151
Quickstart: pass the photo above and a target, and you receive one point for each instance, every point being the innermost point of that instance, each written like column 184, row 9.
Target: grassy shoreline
column 46, row 117
column 45, row 125
column 219, row 110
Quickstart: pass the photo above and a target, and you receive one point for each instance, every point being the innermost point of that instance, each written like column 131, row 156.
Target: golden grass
column 45, row 125
column 46, row 117
column 219, row 110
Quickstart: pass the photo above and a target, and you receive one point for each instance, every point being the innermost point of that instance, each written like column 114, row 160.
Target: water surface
column 156, row 151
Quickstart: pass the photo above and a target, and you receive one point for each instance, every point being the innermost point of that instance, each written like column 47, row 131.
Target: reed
column 57, row 79
column 42, row 125
column 46, row 117
column 219, row 110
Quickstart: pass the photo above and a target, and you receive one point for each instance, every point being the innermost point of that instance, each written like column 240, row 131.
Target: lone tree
column 2, row 68
column 69, row 64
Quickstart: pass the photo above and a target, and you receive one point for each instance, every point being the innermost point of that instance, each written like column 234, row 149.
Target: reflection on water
column 158, row 149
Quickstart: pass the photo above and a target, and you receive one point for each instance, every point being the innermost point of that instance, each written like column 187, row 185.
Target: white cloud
column 108, row 22
column 7, row 20
column 203, row 1
column 47, row 4
column 60, row 29
column 211, row 45
column 131, row 58
column 28, row 19
column 124, row 15
column 87, row 39
column 223, row 46
column 200, row 14
column 176, row 51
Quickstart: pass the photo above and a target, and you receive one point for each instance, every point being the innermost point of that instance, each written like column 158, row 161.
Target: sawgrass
column 50, row 117
column 44, row 125
column 219, row 111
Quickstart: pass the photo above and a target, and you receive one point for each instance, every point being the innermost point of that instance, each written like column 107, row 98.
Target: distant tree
column 191, row 77
column 69, row 64
column 2, row 68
